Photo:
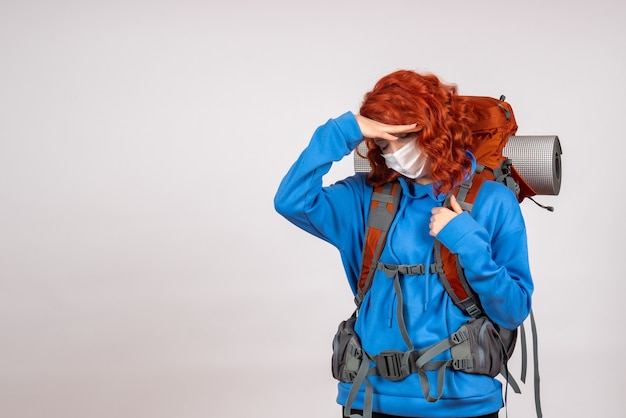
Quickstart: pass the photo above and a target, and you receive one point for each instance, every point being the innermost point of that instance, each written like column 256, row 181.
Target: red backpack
column 500, row 156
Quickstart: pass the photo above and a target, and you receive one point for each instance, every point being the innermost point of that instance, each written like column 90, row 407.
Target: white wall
column 143, row 270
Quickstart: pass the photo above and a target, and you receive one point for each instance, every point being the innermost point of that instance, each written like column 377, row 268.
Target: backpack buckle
column 459, row 336
column 463, row 364
column 393, row 365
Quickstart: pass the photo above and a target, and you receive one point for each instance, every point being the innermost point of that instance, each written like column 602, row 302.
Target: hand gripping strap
column 447, row 265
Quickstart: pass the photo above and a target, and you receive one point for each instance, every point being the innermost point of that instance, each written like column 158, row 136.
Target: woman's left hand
column 441, row 216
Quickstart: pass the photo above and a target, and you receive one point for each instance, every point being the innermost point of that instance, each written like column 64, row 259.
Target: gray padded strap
column 469, row 305
column 383, row 198
column 461, row 195
column 379, row 218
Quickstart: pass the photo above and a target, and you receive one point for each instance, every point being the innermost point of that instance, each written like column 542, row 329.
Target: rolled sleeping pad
column 538, row 160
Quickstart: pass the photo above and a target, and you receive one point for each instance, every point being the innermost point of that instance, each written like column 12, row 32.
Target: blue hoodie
column 491, row 244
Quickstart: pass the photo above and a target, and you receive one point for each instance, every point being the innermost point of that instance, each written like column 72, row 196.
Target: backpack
column 479, row 346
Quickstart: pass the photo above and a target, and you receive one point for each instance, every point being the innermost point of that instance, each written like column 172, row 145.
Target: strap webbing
column 537, row 386
column 536, row 378
column 356, row 384
column 393, row 271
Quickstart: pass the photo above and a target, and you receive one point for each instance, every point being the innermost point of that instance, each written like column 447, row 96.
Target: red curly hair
column 405, row 97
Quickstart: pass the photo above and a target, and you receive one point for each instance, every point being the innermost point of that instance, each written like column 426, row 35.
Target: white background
column 143, row 270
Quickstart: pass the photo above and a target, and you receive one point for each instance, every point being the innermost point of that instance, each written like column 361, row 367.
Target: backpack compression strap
column 384, row 205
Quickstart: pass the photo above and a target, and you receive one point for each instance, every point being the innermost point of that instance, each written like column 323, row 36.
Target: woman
column 417, row 132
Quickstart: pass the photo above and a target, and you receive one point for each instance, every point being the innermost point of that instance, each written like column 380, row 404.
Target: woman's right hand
column 372, row 129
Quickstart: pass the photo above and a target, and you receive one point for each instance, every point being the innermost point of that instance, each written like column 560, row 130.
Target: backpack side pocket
column 347, row 351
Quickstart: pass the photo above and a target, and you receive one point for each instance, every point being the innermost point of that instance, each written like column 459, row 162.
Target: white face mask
column 409, row 161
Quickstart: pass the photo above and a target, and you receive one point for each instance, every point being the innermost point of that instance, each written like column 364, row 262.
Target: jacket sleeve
column 493, row 250
column 329, row 213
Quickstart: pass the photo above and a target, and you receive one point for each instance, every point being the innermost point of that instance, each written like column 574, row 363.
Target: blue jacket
column 491, row 244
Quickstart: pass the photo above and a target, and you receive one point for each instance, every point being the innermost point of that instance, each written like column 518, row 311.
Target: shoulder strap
column 446, row 264
column 383, row 207
column 453, row 278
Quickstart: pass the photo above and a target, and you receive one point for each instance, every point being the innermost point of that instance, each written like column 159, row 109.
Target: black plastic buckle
column 393, row 365
column 459, row 336
column 463, row 364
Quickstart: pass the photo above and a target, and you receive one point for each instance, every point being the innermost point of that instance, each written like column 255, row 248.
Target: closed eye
column 382, row 144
